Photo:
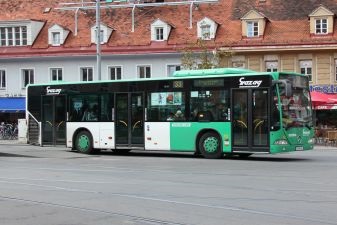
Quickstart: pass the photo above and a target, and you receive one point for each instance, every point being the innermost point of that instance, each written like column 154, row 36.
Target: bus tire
column 84, row 143
column 210, row 146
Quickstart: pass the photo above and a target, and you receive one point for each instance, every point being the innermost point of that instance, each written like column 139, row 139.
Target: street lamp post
column 98, row 38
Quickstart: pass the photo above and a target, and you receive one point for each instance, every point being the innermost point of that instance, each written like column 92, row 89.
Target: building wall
column 323, row 69
column 323, row 63
column 288, row 62
column 71, row 68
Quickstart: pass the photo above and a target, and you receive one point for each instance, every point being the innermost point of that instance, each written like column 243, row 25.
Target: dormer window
column 207, row 29
column 104, row 35
column 321, row 21
column 101, row 37
column 159, row 33
column 321, row 26
column 252, row 29
column 253, row 24
column 57, row 35
column 160, row 30
column 205, row 32
column 13, row 36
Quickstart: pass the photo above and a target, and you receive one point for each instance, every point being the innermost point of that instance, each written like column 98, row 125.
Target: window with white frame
column 172, row 68
column 56, row 38
column 2, row 79
column 321, row 26
column 272, row 66
column 115, row 72
column 205, row 31
column 144, row 71
column 101, row 36
column 56, row 74
column 86, row 73
column 159, row 33
column 252, row 29
column 306, row 68
column 27, row 77
column 13, row 36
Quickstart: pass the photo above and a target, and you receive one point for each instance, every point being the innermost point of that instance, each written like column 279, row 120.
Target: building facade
column 49, row 41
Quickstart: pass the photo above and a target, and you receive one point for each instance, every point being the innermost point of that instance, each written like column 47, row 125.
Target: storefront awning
column 325, row 107
column 322, row 101
column 12, row 105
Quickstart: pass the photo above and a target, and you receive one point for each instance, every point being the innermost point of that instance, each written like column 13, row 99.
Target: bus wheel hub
column 211, row 144
column 83, row 142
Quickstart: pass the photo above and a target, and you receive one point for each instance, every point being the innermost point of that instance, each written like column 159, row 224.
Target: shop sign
column 324, row 88
column 326, row 107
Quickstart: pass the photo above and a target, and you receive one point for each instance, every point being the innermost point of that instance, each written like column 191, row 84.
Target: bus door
column 250, row 120
column 54, row 114
column 129, row 120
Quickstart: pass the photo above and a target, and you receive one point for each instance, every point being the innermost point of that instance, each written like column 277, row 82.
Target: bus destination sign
column 209, row 83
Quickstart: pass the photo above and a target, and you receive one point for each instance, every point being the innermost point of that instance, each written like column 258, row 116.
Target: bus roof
column 216, row 71
column 182, row 74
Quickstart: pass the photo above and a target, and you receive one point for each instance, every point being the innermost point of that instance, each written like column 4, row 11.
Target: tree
column 201, row 55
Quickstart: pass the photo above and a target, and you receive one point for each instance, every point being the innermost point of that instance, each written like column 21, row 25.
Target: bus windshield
column 296, row 109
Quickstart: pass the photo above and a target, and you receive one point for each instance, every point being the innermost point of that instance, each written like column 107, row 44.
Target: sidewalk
column 11, row 142
column 324, row 147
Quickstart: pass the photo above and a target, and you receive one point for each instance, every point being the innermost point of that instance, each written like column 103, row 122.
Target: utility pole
column 98, row 38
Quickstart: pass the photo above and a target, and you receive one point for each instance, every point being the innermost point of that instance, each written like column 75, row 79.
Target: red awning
column 323, row 101
column 325, row 107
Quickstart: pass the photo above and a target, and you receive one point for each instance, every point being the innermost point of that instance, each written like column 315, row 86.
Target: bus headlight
column 281, row 142
column 311, row 141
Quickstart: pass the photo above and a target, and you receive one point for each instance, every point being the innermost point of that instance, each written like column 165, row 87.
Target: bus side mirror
column 286, row 84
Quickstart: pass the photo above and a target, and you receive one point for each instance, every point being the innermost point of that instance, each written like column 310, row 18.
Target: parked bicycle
column 8, row 131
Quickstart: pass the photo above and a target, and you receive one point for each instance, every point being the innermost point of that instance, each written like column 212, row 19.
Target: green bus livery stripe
column 183, row 135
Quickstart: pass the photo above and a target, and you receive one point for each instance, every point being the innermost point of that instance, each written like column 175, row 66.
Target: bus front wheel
column 83, row 142
column 210, row 145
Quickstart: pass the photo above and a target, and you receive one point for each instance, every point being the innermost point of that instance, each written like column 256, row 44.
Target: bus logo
column 249, row 83
column 51, row 91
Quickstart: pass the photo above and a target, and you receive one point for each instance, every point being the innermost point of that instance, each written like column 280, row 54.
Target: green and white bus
column 211, row 112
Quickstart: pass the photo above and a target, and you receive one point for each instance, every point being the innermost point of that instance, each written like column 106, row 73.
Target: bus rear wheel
column 210, row 145
column 83, row 142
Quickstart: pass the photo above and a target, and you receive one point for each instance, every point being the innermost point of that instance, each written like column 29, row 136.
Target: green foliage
column 201, row 55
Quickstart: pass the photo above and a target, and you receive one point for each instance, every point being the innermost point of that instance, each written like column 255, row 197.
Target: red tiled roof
column 287, row 24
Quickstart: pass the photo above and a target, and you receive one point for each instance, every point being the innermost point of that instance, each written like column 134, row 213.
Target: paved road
column 53, row 186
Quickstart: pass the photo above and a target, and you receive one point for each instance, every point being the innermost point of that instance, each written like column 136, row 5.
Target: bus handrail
column 241, row 122
column 123, row 122
column 29, row 114
column 136, row 123
column 40, row 127
column 60, row 124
